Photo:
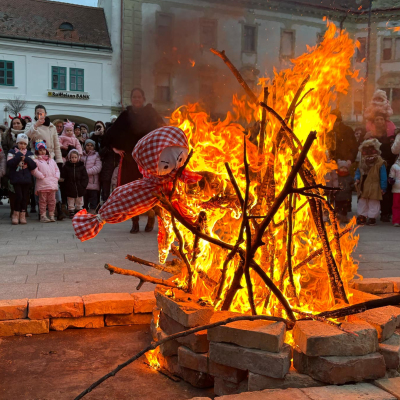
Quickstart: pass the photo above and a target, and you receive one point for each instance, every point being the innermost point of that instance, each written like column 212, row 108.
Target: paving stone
column 128, row 319
column 222, row 387
column 292, row 379
column 196, row 342
column 269, row 394
column 144, row 302
column 56, row 307
column 18, row 291
column 60, row 324
column 40, row 259
column 360, row 391
column 374, row 285
column 339, row 370
column 182, row 309
column 13, row 309
column 196, row 378
column 18, row 327
column 391, row 386
column 230, row 374
column 263, row 335
column 169, row 348
column 390, row 349
column 316, row 338
column 275, row 365
column 189, row 359
column 383, row 319
column 108, row 303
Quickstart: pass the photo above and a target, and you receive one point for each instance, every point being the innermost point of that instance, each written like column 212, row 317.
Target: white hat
column 22, row 138
column 113, row 117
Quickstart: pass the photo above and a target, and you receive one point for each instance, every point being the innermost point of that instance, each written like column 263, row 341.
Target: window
column 387, row 49
column 7, row 73
column 208, row 33
column 76, row 80
column 287, row 44
column 58, row 79
column 249, row 39
column 320, row 38
column 361, row 51
column 164, row 29
column 358, row 102
column 66, row 26
column 163, row 88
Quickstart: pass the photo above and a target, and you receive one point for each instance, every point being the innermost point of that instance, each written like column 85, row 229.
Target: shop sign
column 67, row 95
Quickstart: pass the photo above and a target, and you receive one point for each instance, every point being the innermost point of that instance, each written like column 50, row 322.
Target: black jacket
column 75, row 179
column 20, row 175
column 341, row 143
column 126, row 131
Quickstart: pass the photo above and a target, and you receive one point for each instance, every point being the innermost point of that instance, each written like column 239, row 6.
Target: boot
column 135, row 225
column 44, row 219
column 150, row 221
column 15, row 218
column 22, row 217
column 71, row 214
column 60, row 214
column 64, row 210
column 52, row 218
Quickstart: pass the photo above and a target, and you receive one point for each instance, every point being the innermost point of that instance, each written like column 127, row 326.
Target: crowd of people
column 64, row 166
column 61, row 167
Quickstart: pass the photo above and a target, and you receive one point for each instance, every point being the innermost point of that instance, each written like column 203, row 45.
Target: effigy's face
column 171, row 159
column 370, row 154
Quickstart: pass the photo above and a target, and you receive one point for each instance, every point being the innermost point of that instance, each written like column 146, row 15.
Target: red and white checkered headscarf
column 135, row 198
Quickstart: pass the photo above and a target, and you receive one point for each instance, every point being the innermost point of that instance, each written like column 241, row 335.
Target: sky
column 92, row 3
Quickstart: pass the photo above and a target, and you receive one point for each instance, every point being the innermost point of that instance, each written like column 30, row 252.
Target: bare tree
column 16, row 105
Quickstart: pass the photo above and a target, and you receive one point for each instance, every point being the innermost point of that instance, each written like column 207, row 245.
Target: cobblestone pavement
column 46, row 260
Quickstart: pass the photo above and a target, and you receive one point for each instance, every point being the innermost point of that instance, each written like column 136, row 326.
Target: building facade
column 165, row 46
column 58, row 55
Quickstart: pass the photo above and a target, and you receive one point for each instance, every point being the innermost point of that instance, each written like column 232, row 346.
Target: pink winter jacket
column 93, row 166
column 47, row 174
column 66, row 141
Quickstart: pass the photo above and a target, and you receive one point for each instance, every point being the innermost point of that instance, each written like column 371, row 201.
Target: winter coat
column 3, row 162
column 390, row 127
column 346, row 184
column 396, row 145
column 20, row 171
column 75, row 179
column 370, row 185
column 341, row 143
column 110, row 160
column 131, row 126
column 93, row 167
column 67, row 141
column 47, row 174
column 47, row 132
column 9, row 141
column 395, row 174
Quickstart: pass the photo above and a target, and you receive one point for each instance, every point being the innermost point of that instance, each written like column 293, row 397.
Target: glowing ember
column 214, row 143
column 192, row 62
column 152, row 358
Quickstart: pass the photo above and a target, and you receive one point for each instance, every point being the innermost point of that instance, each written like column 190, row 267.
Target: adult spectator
column 59, row 126
column 134, row 123
column 9, row 140
column 98, row 134
column 42, row 128
column 3, row 130
column 341, row 142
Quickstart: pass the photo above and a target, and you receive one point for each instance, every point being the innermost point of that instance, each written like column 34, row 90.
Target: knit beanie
column 90, row 141
column 22, row 138
column 85, row 126
column 68, row 125
column 379, row 104
column 70, row 153
column 40, row 144
column 344, row 163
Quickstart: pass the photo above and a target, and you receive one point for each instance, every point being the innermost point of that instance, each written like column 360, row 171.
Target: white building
column 58, row 55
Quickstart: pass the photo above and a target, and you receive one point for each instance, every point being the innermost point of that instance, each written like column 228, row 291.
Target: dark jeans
column 387, row 202
column 21, row 196
column 63, row 195
column 91, row 199
column 105, row 187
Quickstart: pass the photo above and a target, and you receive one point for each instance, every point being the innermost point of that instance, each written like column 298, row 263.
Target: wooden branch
column 263, row 125
column 154, row 345
column 289, row 243
column 304, row 96
column 200, row 225
column 293, row 105
column 170, row 269
column 143, row 278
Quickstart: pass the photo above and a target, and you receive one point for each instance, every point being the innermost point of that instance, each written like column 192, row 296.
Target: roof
column 41, row 20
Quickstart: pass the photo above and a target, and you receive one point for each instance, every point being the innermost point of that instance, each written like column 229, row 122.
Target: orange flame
column 192, row 62
column 152, row 358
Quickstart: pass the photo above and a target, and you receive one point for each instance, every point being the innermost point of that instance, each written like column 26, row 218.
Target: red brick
column 19, row 327
column 108, row 303
column 60, row 324
column 171, row 364
column 390, row 349
column 374, row 285
column 223, row 388
column 128, row 319
column 144, row 302
column 196, row 378
column 230, row 374
column 56, row 307
column 169, row 348
column 189, row 359
column 13, row 309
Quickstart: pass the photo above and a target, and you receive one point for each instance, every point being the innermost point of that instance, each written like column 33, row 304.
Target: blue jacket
column 18, row 175
column 382, row 176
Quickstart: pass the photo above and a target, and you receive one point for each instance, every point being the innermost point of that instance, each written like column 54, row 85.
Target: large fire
column 217, row 142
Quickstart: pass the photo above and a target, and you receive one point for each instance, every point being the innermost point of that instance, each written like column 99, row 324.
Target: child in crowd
column 394, row 179
column 20, row 163
column 47, row 175
column 93, row 165
column 84, row 132
column 371, row 182
column 68, row 141
column 346, row 184
column 75, row 180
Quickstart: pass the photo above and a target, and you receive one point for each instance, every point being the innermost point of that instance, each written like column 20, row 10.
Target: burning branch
column 166, row 268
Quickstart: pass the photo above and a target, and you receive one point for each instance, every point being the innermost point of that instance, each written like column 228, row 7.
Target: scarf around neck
column 46, row 121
